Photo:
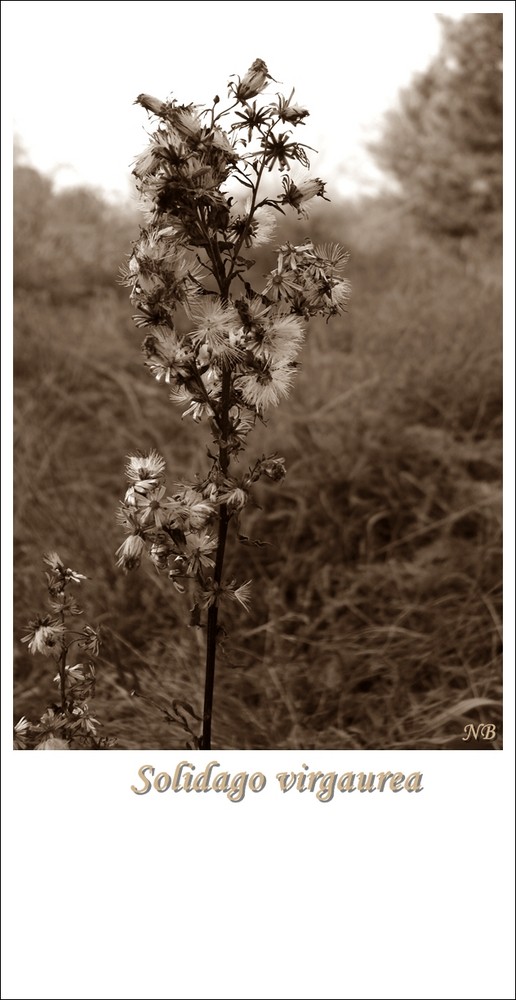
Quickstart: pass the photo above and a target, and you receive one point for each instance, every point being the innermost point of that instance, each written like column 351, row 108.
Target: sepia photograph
column 257, row 400
column 257, row 319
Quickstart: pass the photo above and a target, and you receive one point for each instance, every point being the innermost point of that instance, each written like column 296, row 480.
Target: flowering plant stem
column 211, row 638
column 213, row 611
column 237, row 357
column 68, row 725
column 62, row 668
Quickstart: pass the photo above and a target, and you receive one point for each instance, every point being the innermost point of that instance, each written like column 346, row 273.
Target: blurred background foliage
column 376, row 604
column 443, row 142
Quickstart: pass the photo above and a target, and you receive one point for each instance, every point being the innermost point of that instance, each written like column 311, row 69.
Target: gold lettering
column 365, row 784
column 382, row 779
column 176, row 783
column 221, row 782
column 397, row 780
column 188, row 779
column 345, row 782
column 413, row 782
column 286, row 780
column 301, row 778
column 141, row 774
column 159, row 784
column 327, row 787
column 201, row 782
column 257, row 782
column 238, row 786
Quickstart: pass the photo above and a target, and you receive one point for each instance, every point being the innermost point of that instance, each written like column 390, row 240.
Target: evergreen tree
column 443, row 143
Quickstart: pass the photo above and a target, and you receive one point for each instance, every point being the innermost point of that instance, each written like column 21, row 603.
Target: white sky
column 73, row 70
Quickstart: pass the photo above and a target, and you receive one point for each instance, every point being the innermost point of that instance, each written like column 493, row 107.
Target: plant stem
column 213, row 610
column 224, row 282
column 62, row 669
column 252, row 207
column 211, row 641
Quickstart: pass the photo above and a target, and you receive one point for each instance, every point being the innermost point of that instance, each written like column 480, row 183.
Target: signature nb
column 483, row 731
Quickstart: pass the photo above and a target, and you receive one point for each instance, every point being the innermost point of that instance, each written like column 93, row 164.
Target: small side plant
column 68, row 723
column 225, row 349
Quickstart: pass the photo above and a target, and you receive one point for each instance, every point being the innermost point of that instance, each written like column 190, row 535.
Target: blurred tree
column 32, row 198
column 443, row 143
column 68, row 243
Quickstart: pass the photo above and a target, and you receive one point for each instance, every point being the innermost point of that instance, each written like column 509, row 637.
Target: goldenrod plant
column 225, row 348
column 67, row 723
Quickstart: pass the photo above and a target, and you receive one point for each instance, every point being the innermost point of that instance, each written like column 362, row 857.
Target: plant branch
column 252, row 209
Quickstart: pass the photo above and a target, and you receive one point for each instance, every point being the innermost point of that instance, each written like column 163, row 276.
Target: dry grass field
column 375, row 619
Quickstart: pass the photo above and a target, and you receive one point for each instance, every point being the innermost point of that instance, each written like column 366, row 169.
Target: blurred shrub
column 69, row 243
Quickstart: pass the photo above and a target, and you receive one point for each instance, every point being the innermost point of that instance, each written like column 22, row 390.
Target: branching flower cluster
column 68, row 724
column 177, row 531
column 225, row 350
